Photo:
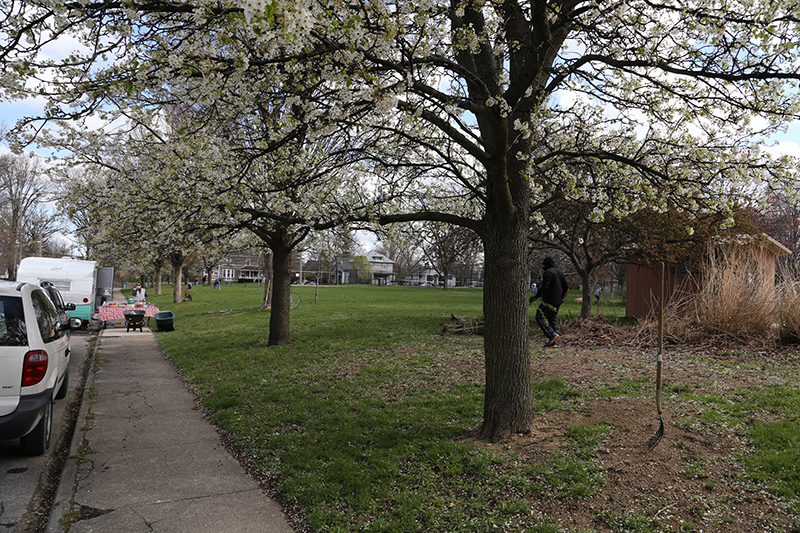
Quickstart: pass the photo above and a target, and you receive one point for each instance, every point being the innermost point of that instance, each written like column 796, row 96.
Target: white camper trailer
column 76, row 280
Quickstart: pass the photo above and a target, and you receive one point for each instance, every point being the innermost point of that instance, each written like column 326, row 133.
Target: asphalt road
column 26, row 481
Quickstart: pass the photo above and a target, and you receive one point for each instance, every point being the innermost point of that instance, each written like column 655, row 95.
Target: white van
column 34, row 362
column 75, row 279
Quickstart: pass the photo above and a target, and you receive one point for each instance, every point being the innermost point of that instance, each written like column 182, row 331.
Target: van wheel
column 37, row 441
column 64, row 388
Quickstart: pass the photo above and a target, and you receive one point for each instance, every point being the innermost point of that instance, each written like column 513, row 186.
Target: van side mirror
column 69, row 307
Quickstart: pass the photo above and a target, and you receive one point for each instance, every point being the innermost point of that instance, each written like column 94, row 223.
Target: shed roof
column 763, row 240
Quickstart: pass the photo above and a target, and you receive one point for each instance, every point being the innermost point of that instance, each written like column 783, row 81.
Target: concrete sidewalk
column 149, row 461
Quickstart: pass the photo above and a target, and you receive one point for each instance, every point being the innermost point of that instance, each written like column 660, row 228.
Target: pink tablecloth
column 114, row 312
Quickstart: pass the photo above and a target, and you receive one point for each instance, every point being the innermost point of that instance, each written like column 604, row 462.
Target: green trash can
column 165, row 321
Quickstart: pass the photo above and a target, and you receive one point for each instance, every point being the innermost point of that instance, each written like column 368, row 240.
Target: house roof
column 376, row 257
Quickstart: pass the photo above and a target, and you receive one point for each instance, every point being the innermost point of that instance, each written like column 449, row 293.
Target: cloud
column 783, row 148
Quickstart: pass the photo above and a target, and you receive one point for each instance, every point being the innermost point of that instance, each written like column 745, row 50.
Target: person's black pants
column 547, row 318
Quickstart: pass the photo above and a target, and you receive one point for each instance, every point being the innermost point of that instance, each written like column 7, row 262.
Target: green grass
column 366, row 421
column 573, row 473
column 611, row 307
column 553, row 394
column 628, row 387
column 776, row 443
column 695, row 467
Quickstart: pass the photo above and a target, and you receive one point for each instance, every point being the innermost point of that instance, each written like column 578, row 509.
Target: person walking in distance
column 552, row 290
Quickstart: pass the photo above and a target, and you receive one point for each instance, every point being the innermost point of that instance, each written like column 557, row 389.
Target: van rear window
column 12, row 322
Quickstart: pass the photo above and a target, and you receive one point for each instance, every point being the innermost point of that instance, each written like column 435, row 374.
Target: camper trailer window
column 61, row 284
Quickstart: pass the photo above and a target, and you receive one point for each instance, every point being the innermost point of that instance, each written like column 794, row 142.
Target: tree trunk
column 586, row 294
column 158, row 267
column 157, row 281
column 281, row 285
column 266, row 261
column 508, row 401
column 177, row 281
column 177, row 260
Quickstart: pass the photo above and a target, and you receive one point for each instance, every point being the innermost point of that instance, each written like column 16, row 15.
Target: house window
column 228, row 273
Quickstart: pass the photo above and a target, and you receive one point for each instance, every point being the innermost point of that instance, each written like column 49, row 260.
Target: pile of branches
column 459, row 325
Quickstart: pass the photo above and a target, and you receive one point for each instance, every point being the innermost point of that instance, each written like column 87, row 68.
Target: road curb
column 62, row 502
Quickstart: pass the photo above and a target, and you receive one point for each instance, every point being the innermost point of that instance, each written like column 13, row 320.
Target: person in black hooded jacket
column 552, row 290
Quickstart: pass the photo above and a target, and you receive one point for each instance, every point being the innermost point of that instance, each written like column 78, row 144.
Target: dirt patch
column 691, row 481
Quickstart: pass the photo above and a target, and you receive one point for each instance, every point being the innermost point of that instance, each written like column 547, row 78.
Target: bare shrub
column 737, row 298
column 734, row 301
column 789, row 311
column 678, row 326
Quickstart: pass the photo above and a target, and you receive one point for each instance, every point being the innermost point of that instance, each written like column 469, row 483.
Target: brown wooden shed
column 643, row 282
column 643, row 286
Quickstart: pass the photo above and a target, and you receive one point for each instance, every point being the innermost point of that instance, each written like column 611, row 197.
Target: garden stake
column 655, row 439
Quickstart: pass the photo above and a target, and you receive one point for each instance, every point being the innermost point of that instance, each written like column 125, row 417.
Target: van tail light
column 35, row 367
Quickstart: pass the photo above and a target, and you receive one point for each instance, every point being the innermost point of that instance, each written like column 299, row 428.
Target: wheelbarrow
column 134, row 318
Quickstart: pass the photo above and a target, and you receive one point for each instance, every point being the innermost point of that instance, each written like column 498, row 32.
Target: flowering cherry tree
column 488, row 106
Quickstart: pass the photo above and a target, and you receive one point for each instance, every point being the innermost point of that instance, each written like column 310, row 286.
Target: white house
column 236, row 266
column 427, row 276
column 382, row 268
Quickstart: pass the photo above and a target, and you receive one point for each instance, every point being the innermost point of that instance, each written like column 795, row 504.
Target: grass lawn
column 348, row 420
column 365, row 422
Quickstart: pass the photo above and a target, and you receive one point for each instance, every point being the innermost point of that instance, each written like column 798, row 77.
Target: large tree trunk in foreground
column 281, row 285
column 508, row 402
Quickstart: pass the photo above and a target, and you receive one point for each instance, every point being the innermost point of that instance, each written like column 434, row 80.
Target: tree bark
column 176, row 260
column 281, row 284
column 158, row 265
column 508, row 400
column 157, row 281
column 266, row 263
column 586, row 294
column 177, row 282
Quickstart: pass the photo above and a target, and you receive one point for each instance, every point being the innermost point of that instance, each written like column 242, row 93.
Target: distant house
column 238, row 267
column 336, row 272
column 643, row 282
column 341, row 270
column 382, row 268
column 427, row 276
column 247, row 267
